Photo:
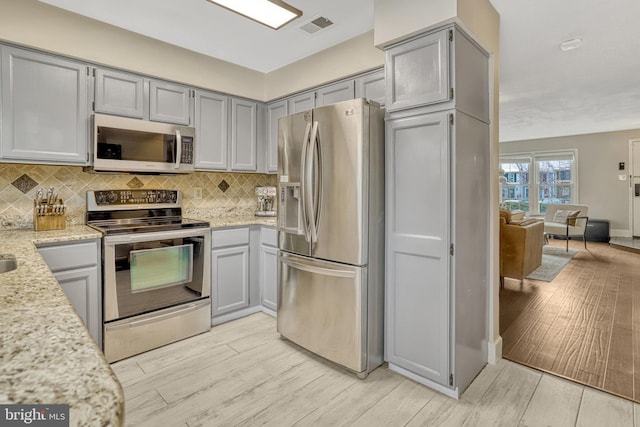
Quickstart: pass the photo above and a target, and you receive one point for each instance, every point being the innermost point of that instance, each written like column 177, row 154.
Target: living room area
column 580, row 317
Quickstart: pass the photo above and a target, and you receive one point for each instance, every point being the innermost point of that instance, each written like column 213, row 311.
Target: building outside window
column 555, row 180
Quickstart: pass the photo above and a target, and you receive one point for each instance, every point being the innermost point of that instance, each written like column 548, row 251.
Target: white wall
column 348, row 58
column 598, row 184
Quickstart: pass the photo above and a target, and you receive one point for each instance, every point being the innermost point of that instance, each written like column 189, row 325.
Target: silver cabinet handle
column 318, row 270
column 178, row 149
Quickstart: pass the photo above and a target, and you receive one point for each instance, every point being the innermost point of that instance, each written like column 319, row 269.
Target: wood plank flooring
column 242, row 374
column 585, row 325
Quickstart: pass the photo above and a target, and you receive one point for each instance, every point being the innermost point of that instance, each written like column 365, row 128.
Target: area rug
column 553, row 261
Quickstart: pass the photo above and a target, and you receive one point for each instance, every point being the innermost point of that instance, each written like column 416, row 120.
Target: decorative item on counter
column 266, row 197
column 49, row 211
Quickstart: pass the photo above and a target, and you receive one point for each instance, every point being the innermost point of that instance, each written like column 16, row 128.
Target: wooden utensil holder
column 44, row 217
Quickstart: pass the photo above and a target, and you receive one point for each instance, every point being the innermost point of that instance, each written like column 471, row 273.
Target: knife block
column 45, row 219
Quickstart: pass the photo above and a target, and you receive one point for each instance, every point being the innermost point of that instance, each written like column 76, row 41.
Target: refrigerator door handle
column 310, row 195
column 303, row 182
column 318, row 270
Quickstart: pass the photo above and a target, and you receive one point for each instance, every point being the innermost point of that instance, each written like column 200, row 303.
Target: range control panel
column 135, row 197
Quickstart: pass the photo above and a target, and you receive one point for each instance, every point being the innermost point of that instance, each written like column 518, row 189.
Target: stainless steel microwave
column 122, row 144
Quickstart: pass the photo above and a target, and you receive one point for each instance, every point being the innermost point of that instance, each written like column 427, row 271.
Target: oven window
column 160, row 267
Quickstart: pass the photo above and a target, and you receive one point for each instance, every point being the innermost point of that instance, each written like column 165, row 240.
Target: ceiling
column 544, row 92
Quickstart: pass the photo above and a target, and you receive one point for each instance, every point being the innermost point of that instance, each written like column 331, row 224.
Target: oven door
column 151, row 271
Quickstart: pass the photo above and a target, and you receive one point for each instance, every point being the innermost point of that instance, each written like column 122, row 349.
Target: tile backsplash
column 222, row 192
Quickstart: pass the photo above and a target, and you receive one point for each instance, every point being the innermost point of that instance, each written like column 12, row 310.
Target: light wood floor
column 242, row 374
column 585, row 325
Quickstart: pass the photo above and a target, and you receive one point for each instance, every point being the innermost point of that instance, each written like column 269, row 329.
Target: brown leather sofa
column 520, row 247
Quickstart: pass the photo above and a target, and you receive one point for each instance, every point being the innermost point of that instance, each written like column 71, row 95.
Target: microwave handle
column 178, row 149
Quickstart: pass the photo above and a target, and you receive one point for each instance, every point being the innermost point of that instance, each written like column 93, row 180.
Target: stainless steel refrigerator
column 331, row 232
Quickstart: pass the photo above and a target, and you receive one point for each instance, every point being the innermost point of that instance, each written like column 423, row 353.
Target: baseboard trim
column 494, row 350
column 224, row 318
column 268, row 311
column 620, row 233
column 424, row 381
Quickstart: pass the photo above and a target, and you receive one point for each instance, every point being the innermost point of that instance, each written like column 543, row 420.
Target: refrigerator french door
column 330, row 232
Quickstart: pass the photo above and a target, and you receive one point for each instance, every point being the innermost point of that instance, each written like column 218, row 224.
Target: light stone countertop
column 46, row 354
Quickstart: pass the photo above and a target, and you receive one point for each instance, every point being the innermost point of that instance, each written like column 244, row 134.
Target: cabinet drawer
column 66, row 257
column 269, row 236
column 230, row 237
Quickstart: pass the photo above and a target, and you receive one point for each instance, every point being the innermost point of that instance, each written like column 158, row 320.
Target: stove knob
column 99, row 197
column 112, row 197
column 172, row 196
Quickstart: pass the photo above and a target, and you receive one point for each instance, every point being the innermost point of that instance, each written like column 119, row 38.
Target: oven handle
column 165, row 315
column 156, row 235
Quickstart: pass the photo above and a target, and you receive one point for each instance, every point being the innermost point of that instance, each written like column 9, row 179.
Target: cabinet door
column 82, row 288
column 243, row 135
column 45, row 108
column 417, row 282
column 169, row 103
column 341, row 91
column 230, row 282
column 418, row 72
column 371, row 86
column 274, row 112
column 119, row 93
column 302, row 102
column 212, row 136
column 269, row 277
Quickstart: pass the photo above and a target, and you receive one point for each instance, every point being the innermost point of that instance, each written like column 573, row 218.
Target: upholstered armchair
column 567, row 221
column 520, row 247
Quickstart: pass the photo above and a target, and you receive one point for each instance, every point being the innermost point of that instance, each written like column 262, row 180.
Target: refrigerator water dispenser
column 291, row 208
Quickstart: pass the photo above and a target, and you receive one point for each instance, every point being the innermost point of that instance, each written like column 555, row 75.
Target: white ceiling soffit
column 203, row 27
column 545, row 92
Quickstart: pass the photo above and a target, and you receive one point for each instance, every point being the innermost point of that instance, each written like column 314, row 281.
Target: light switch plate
column 197, row 193
column 622, row 177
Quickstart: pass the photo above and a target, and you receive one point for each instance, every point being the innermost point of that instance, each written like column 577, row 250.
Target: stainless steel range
column 156, row 269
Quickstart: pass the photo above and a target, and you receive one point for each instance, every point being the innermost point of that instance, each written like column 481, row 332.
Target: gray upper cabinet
column 170, row 103
column 211, row 121
column 418, row 72
column 45, row 108
column 275, row 111
column 301, row 102
column 371, row 86
column 243, row 135
column 119, row 93
column 341, row 91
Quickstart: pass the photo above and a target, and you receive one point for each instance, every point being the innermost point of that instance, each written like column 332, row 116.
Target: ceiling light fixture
column 571, row 44
column 272, row 13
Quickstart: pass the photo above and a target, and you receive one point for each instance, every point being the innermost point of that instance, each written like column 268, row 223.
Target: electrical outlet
column 197, row 193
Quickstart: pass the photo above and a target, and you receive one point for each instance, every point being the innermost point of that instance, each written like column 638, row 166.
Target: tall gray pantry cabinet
column 437, row 208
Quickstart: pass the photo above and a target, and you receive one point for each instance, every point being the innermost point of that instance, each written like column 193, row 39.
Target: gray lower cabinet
column 76, row 266
column 269, row 268
column 275, row 111
column 45, row 108
column 371, row 86
column 230, row 286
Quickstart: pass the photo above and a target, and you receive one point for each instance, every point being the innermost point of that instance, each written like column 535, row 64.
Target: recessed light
column 272, row 13
column 571, row 44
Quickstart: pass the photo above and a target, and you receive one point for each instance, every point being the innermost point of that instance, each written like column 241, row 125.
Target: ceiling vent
column 319, row 23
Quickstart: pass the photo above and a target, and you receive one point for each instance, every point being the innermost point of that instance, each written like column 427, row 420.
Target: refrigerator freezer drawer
column 322, row 307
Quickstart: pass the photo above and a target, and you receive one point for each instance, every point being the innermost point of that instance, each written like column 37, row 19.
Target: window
column 554, row 183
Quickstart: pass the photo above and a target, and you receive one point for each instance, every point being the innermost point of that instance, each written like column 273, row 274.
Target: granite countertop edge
column 47, row 356
column 52, row 358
